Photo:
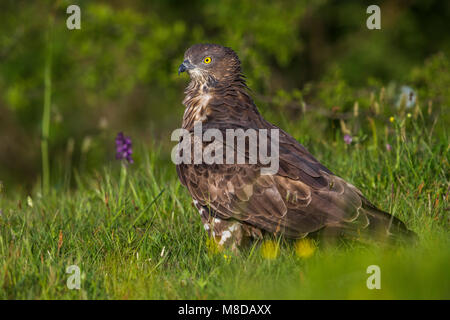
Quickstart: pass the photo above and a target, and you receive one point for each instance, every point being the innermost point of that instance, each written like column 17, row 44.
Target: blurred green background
column 119, row 72
column 314, row 69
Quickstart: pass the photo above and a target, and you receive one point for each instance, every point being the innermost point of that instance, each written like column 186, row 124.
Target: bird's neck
column 218, row 103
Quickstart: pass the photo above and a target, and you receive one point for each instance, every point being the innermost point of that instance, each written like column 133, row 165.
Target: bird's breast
column 196, row 109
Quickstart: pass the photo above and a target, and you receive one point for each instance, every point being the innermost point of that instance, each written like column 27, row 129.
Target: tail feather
column 373, row 224
column 383, row 225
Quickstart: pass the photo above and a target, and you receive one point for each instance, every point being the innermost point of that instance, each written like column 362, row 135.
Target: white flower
column 407, row 95
column 30, row 202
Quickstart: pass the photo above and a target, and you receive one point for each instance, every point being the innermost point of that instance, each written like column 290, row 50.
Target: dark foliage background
column 118, row 73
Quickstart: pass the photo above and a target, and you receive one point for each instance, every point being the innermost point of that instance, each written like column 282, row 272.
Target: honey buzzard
column 236, row 201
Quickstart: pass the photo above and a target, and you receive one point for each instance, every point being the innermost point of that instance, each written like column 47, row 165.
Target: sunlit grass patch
column 134, row 234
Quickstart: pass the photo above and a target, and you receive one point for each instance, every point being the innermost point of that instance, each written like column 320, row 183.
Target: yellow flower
column 304, row 248
column 270, row 249
column 212, row 246
column 409, row 115
column 391, row 119
column 227, row 258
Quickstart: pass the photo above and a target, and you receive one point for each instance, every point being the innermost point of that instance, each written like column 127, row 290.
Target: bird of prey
column 237, row 202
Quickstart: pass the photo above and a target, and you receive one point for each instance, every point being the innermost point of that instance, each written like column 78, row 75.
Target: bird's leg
column 226, row 233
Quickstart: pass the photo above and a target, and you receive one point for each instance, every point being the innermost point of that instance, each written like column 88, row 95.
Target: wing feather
column 302, row 197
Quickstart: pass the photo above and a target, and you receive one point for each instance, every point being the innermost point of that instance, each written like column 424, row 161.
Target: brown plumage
column 235, row 201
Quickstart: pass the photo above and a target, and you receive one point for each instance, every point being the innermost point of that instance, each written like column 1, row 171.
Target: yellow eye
column 207, row 60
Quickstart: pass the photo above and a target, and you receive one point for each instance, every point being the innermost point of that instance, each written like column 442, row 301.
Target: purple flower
column 348, row 139
column 123, row 148
column 388, row 147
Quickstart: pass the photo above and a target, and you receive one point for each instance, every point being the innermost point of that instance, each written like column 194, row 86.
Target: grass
column 134, row 234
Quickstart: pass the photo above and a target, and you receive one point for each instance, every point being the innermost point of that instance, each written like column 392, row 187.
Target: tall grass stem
column 47, row 110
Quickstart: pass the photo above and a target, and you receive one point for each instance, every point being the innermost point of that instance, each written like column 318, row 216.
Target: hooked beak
column 186, row 65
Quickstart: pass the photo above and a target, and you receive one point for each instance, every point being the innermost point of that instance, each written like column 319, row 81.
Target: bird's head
column 211, row 63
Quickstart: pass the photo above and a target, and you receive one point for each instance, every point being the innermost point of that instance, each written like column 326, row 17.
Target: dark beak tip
column 181, row 69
